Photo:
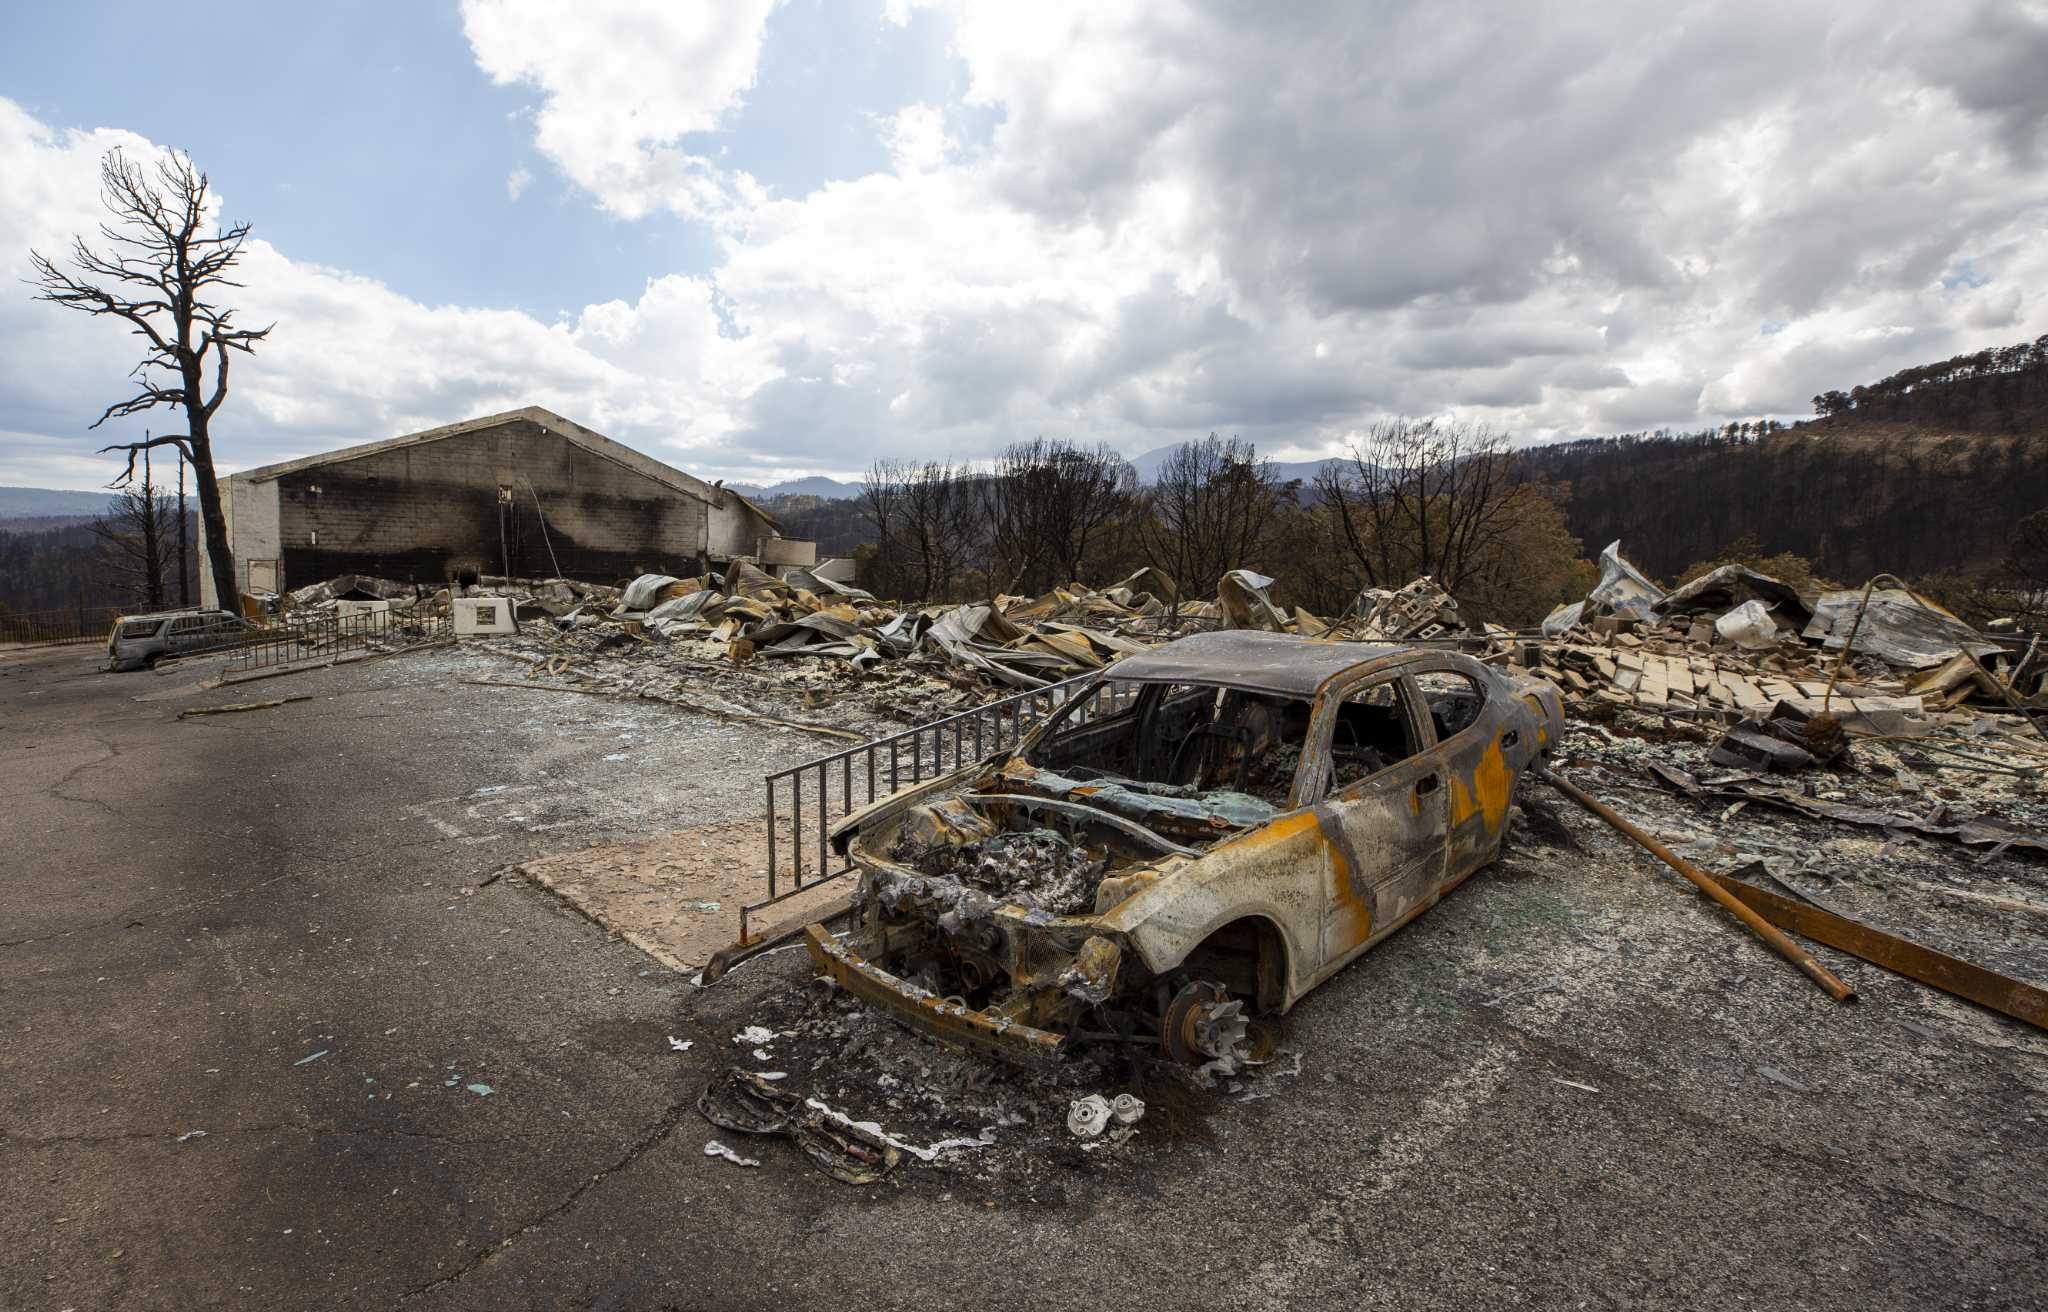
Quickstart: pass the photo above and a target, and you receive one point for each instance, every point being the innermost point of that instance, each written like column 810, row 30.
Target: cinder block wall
column 408, row 513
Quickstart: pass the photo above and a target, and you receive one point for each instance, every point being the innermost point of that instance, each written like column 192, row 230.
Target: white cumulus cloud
column 622, row 83
column 1561, row 218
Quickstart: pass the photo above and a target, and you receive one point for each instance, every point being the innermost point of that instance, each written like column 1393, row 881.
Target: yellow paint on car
column 1486, row 793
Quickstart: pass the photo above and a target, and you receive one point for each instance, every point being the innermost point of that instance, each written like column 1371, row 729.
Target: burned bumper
column 948, row 1021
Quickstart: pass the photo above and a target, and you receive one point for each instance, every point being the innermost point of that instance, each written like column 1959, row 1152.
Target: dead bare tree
column 926, row 520
column 136, row 541
column 943, row 514
column 881, row 505
column 160, row 272
column 1214, row 507
column 1049, row 505
column 1421, row 497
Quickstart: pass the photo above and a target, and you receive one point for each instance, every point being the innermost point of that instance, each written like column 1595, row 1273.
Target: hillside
column 1855, row 498
column 836, row 524
column 1923, row 472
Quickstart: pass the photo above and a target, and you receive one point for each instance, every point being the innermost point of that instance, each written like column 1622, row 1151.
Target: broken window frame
column 1323, row 728
column 1144, row 706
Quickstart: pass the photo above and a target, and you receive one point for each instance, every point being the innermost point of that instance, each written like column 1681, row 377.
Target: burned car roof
column 1280, row 663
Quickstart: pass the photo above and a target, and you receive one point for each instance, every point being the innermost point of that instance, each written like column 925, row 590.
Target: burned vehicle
column 1209, row 831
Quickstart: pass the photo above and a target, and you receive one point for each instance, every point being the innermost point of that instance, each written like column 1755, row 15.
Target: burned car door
column 1478, row 727
column 1386, row 814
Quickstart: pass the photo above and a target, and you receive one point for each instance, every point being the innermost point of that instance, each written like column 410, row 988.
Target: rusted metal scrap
column 747, row 1104
column 1986, row 988
column 1791, row 951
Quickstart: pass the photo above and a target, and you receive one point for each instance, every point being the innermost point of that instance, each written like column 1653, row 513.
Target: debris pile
column 1732, row 644
column 1014, row 642
column 910, row 664
column 1418, row 611
column 1736, row 641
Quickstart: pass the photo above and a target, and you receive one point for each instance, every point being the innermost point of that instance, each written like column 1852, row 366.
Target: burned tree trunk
column 184, row 548
column 158, row 272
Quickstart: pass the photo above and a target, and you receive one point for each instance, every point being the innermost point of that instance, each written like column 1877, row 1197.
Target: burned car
column 1209, row 831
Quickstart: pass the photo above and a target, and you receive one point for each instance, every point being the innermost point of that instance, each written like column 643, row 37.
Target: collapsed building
column 523, row 493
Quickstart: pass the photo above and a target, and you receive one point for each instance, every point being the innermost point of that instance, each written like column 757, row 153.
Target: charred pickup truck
column 1214, row 828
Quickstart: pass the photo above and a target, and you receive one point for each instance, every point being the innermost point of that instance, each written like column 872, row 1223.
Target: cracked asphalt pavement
column 275, row 1038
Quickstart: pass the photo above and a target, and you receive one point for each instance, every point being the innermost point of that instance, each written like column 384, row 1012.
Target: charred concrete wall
column 494, row 499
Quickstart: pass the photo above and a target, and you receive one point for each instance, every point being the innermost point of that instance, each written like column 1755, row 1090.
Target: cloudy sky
column 763, row 239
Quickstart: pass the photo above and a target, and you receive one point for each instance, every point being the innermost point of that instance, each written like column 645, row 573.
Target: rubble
column 1940, row 819
column 1732, row 587
column 1418, row 610
column 1731, row 644
column 1684, row 654
column 1242, row 602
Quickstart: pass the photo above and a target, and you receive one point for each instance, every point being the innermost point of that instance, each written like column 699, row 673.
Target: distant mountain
column 50, row 503
column 1149, row 464
column 816, row 486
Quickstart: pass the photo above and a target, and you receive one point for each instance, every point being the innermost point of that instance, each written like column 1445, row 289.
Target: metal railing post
column 769, row 784
column 796, row 826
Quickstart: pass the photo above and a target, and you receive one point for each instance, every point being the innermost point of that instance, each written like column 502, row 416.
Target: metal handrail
column 61, row 625
column 878, row 768
column 328, row 636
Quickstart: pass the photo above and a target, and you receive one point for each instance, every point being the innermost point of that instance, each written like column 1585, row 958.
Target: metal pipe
column 1768, row 932
column 824, row 801
column 1986, row 988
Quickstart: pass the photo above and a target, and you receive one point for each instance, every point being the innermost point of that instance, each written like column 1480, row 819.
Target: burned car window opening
column 1371, row 732
column 1453, row 699
column 1200, row 738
